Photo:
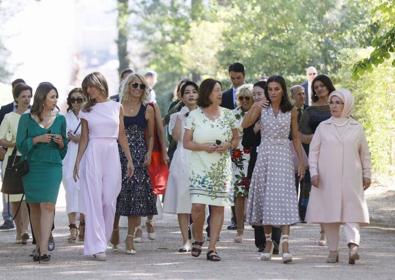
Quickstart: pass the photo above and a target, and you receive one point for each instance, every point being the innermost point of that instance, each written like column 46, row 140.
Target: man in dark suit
column 311, row 73
column 237, row 77
column 7, row 217
column 122, row 77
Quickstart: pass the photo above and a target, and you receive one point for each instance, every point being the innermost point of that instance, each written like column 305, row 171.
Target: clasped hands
column 48, row 137
column 217, row 147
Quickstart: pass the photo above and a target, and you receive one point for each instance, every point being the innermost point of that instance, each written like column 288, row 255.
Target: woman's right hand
column 263, row 103
column 76, row 172
column 44, row 138
column 315, row 181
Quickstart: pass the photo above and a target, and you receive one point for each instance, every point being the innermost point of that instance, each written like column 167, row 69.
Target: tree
column 384, row 41
column 123, row 34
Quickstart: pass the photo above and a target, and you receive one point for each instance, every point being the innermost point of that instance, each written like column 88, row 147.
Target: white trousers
column 351, row 232
column 100, row 184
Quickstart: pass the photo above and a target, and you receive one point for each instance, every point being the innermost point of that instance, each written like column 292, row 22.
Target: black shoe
column 261, row 249
column 232, row 227
column 7, row 226
column 44, row 259
column 51, row 243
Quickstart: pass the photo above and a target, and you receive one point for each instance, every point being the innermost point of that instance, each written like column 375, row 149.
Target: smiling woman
column 42, row 140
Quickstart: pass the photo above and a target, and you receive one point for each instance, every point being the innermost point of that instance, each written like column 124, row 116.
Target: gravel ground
column 158, row 259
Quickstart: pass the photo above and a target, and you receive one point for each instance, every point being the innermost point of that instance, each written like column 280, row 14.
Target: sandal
column 196, row 248
column 213, row 256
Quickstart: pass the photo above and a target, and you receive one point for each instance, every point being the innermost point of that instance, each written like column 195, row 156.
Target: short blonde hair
column 124, row 94
column 244, row 90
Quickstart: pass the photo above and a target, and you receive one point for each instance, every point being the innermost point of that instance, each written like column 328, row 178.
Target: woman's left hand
column 366, row 183
column 58, row 139
column 147, row 159
column 222, row 148
column 165, row 157
column 301, row 171
column 130, row 168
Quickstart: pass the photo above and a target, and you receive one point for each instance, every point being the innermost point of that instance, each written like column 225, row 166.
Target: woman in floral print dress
column 240, row 159
column 210, row 131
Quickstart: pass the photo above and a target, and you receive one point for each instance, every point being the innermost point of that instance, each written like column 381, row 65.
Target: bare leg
column 35, row 214
column 133, row 222
column 17, row 220
column 114, row 240
column 198, row 216
column 183, row 221
column 285, row 232
column 216, row 221
column 269, row 243
column 46, row 222
column 72, row 218
column 24, row 218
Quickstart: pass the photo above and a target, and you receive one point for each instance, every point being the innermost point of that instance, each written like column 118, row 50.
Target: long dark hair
column 39, row 98
column 327, row 83
column 285, row 104
column 69, row 105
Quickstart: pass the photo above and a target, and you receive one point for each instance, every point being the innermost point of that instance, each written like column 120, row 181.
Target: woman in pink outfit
column 339, row 161
column 100, row 174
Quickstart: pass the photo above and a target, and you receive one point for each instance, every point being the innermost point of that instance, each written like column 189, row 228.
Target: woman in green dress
column 41, row 139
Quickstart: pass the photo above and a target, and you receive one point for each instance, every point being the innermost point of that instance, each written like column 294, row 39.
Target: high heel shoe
column 267, row 256
column 81, row 232
column 333, row 257
column 286, row 256
column 73, row 233
column 150, row 229
column 115, row 238
column 129, row 245
column 353, row 253
column 322, row 241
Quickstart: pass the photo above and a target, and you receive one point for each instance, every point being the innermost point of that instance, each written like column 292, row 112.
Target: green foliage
column 374, row 93
column 384, row 41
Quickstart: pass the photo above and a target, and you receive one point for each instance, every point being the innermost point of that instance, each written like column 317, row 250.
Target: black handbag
column 15, row 170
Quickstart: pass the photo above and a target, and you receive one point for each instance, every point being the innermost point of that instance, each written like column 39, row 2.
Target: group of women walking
column 219, row 160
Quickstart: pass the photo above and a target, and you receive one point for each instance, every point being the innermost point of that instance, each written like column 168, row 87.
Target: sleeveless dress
column 136, row 197
column 178, row 197
column 272, row 198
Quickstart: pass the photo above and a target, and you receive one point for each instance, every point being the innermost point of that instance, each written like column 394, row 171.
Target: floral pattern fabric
column 240, row 159
column 210, row 173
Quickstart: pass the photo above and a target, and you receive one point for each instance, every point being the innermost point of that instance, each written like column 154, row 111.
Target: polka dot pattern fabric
column 273, row 199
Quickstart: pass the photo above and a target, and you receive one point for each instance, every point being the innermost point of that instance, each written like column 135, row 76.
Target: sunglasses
column 246, row 98
column 79, row 100
column 137, row 85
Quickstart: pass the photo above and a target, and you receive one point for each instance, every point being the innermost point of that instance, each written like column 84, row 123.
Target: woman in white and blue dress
column 72, row 187
column 272, row 198
column 177, row 198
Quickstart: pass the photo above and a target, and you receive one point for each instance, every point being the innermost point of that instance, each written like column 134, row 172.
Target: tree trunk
column 123, row 33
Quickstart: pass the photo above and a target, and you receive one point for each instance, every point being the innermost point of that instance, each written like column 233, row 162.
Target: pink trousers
column 100, row 175
column 351, row 232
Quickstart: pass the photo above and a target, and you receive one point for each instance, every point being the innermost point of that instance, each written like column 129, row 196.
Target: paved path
column 158, row 259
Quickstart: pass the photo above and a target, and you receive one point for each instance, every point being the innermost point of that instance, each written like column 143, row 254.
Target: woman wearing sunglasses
column 72, row 188
column 136, row 198
column 240, row 160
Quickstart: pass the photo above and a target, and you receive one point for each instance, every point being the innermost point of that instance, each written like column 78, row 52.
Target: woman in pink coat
column 339, row 161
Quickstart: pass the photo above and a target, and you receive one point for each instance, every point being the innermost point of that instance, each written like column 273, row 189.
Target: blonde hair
column 97, row 80
column 245, row 90
column 124, row 94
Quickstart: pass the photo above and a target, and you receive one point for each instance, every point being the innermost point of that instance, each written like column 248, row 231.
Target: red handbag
column 158, row 169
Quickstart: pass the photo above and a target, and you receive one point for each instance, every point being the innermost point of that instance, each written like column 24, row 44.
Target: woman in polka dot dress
column 272, row 199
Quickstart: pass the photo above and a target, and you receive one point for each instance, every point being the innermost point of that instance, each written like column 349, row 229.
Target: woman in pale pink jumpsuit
column 100, row 174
